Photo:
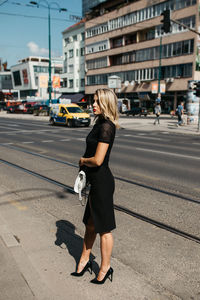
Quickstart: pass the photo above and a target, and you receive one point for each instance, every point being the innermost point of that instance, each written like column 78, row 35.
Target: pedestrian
column 158, row 99
column 180, row 113
column 157, row 112
column 99, row 212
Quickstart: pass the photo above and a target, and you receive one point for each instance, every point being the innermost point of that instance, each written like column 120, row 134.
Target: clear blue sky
column 22, row 35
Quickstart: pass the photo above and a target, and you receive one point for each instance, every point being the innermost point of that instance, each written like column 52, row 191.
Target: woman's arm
column 97, row 159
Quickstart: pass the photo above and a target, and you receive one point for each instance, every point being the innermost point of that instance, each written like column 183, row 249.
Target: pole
column 160, row 58
column 49, row 29
column 199, row 117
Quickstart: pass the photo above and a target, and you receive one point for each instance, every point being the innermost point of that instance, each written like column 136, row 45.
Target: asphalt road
column 168, row 161
column 157, row 175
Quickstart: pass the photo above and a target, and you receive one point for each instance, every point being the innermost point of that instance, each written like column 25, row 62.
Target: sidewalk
column 34, row 268
column 167, row 123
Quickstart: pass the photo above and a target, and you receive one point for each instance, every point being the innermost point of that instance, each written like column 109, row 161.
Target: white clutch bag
column 80, row 184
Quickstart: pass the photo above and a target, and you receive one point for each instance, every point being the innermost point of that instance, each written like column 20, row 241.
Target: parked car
column 41, row 109
column 29, row 107
column 11, row 109
column 141, row 111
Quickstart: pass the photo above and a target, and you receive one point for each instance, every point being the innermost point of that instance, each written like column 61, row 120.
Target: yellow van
column 68, row 114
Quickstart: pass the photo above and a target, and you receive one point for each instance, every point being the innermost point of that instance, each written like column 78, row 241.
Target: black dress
column 100, row 200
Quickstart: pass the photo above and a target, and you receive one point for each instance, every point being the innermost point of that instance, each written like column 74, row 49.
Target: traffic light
column 166, row 21
column 197, row 89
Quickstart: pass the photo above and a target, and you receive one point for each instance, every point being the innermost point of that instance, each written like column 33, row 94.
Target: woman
column 99, row 213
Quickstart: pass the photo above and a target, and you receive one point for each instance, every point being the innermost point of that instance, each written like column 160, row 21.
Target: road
column 157, row 176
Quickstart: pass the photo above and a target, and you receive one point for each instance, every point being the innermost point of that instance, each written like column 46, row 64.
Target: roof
column 75, row 25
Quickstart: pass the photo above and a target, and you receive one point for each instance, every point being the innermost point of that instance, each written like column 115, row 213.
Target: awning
column 75, row 98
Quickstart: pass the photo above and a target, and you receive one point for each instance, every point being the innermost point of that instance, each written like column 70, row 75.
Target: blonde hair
column 108, row 104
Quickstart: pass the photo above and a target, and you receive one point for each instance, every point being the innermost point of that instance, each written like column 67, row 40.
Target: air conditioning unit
column 167, row 79
column 171, row 79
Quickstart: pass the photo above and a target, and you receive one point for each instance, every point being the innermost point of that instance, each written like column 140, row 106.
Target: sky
column 24, row 29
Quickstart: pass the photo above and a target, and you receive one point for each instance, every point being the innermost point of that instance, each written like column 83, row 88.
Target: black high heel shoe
column 88, row 267
column 109, row 275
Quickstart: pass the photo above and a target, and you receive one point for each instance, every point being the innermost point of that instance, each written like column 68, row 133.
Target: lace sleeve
column 107, row 132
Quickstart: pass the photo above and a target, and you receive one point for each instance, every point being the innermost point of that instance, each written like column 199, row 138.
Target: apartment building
column 87, row 5
column 123, row 38
column 74, row 59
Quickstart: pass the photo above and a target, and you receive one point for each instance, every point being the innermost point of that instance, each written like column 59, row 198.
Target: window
column 117, row 42
column 83, row 36
column 71, row 83
column 182, row 70
column 40, row 69
column 74, row 38
column 77, row 82
column 82, row 82
column 71, row 53
column 17, row 78
column 138, row 16
column 64, row 82
column 67, row 41
column 97, row 63
column 82, row 51
column 168, row 50
column 77, row 52
column 71, row 68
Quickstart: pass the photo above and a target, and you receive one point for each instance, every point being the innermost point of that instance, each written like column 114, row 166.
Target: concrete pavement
column 34, row 267
column 167, row 123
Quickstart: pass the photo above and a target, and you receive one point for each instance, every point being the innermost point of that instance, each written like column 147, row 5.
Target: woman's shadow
column 66, row 235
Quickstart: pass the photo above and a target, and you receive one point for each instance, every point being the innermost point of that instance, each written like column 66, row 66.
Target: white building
column 74, row 59
column 30, row 76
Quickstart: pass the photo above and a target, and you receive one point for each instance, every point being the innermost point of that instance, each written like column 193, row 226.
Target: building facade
column 87, row 5
column 127, row 41
column 30, row 77
column 5, row 81
column 74, row 59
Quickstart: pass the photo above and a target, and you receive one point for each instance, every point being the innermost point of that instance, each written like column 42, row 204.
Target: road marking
column 7, row 143
column 141, row 133
column 196, row 144
column 13, row 125
column 48, row 141
column 165, row 132
column 65, row 140
column 27, row 131
column 149, row 138
column 27, row 142
column 18, row 205
column 168, row 153
column 80, row 139
column 128, row 135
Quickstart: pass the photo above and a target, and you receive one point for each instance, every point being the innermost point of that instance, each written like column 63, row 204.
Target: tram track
column 119, row 208
column 125, row 180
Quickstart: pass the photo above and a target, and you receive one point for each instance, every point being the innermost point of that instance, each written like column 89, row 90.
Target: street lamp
column 48, row 6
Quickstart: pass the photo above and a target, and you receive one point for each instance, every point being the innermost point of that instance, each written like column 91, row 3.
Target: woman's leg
column 88, row 242
column 106, row 243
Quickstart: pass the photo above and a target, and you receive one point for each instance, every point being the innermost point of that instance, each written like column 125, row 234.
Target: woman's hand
column 81, row 162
